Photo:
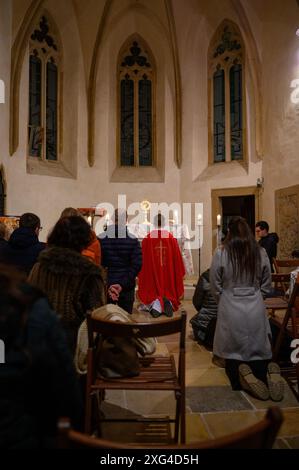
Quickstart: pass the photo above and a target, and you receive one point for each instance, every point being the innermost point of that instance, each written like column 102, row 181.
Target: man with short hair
column 267, row 240
column 23, row 247
column 121, row 255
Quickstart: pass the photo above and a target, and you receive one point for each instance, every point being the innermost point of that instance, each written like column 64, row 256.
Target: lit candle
column 199, row 219
column 107, row 218
column 89, row 219
column 218, row 220
column 176, row 217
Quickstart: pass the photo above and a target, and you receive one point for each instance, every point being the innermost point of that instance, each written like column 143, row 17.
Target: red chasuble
column 162, row 269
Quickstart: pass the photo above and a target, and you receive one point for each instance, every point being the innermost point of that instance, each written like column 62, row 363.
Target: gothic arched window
column 44, row 73
column 227, row 95
column 136, row 109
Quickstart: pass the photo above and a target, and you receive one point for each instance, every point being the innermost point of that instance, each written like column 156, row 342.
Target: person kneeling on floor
column 240, row 278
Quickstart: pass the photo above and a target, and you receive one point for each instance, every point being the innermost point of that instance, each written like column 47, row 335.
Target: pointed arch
column 254, row 68
column 17, row 57
column 136, row 109
column 91, row 92
column 227, row 97
column 178, row 82
column 45, row 91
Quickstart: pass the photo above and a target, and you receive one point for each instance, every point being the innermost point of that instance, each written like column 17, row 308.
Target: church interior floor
column 213, row 409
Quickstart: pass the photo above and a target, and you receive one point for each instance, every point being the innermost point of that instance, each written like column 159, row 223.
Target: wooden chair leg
column 88, row 411
column 100, row 398
column 177, row 417
column 183, row 418
column 280, row 337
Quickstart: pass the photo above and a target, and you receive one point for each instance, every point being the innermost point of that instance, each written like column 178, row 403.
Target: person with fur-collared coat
column 240, row 277
column 73, row 283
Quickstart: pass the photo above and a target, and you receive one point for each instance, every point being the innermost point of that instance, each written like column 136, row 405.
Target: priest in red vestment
column 162, row 273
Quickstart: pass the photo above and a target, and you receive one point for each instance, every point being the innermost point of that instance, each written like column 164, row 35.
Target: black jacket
column 3, row 244
column 22, row 249
column 206, row 306
column 269, row 242
column 38, row 383
column 122, row 255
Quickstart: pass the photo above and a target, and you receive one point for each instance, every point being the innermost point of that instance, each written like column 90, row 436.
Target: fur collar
column 64, row 261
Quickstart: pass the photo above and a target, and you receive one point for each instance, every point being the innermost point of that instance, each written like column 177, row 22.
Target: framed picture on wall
column 11, row 222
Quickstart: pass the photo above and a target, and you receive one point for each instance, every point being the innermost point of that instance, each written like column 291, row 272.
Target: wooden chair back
column 281, row 282
column 282, row 265
column 257, row 436
column 156, row 372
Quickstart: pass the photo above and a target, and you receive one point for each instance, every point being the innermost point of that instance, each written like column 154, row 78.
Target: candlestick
column 176, row 217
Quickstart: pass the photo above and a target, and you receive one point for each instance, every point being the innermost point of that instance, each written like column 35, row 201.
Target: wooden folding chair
column 278, row 302
column 258, row 436
column 285, row 265
column 156, row 372
column 281, row 282
column 289, row 324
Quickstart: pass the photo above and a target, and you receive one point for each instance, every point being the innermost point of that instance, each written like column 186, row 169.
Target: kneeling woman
column 240, row 277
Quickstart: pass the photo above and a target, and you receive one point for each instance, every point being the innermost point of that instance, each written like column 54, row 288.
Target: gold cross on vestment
column 162, row 249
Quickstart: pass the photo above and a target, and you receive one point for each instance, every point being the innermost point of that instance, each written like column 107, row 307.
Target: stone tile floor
column 213, row 409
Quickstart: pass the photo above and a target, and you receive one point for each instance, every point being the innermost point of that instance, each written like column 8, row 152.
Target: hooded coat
column 22, row 249
column 73, row 284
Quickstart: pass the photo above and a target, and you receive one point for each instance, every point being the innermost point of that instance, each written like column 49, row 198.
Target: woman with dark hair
column 38, row 383
column 72, row 282
column 240, row 277
column 93, row 250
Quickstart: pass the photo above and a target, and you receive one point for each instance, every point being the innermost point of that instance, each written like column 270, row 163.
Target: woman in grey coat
column 240, row 278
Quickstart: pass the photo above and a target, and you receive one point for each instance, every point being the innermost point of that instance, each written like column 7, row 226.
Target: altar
column 180, row 232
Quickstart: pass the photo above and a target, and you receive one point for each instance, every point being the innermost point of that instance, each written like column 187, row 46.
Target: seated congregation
column 48, row 289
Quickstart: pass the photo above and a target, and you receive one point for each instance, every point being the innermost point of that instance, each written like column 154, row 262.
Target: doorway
column 228, row 202
column 243, row 206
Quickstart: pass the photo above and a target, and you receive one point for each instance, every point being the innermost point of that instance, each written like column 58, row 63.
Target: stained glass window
column 235, row 80
column 226, row 77
column 127, row 122
column 43, row 94
column 51, row 117
column 136, row 106
column 219, row 116
column 145, row 122
column 35, row 97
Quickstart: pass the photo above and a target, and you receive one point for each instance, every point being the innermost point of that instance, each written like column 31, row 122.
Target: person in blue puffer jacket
column 122, row 256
